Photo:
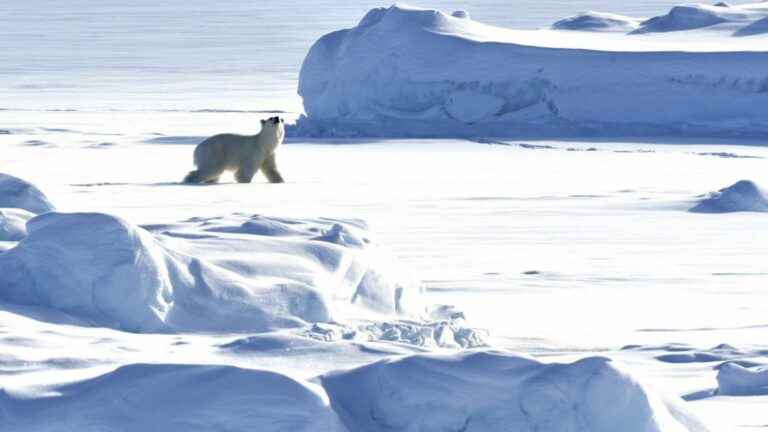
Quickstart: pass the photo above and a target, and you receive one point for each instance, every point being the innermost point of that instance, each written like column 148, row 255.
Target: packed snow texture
column 171, row 397
column 405, row 72
column 744, row 196
column 490, row 391
column 238, row 275
column 736, row 380
column 17, row 193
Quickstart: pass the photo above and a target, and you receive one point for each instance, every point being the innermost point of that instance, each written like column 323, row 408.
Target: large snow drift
column 174, row 398
column 487, row 391
column 236, row 274
column 743, row 196
column 17, row 193
column 404, row 72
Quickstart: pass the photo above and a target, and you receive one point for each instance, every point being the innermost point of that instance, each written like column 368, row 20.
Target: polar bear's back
column 222, row 150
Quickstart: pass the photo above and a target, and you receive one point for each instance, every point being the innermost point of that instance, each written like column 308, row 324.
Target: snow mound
column 684, row 18
column 111, row 273
column 697, row 16
column 598, row 21
column 406, row 72
column 174, row 397
column 758, row 27
column 736, row 380
column 744, row 196
column 492, row 391
column 17, row 193
column 350, row 233
column 13, row 223
column 682, row 353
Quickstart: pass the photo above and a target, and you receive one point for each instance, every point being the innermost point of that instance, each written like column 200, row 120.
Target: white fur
column 243, row 154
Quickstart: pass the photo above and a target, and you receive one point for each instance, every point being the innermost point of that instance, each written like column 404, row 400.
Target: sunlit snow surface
column 556, row 249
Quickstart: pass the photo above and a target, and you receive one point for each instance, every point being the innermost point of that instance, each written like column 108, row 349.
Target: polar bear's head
column 273, row 126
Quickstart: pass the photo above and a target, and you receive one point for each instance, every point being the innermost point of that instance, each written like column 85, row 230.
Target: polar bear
column 243, row 154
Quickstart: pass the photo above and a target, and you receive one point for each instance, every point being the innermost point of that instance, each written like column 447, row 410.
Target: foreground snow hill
column 475, row 391
column 239, row 274
column 139, row 398
column 233, row 274
column 407, row 72
column 491, row 391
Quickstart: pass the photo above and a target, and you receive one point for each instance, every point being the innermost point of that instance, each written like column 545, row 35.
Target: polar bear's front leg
column 269, row 168
column 248, row 167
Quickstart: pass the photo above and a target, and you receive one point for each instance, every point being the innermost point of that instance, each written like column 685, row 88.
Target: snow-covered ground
column 425, row 285
column 556, row 249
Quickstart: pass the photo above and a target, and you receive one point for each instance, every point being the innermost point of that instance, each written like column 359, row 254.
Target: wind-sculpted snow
column 17, row 193
column 404, row 72
column 237, row 274
column 489, row 391
column 743, row 196
column 141, row 397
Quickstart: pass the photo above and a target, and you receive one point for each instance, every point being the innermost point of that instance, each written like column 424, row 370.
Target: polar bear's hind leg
column 200, row 176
